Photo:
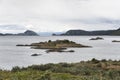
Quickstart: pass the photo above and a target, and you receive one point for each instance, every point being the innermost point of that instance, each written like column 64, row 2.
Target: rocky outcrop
column 97, row 38
column 55, row 46
column 116, row 41
column 59, row 50
column 36, row 54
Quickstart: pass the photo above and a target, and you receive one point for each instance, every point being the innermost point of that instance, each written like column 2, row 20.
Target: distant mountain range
column 26, row 33
column 68, row 33
column 83, row 32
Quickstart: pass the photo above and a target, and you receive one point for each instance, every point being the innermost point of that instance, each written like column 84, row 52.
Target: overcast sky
column 58, row 15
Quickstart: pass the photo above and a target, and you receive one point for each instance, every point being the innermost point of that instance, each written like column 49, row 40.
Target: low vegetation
column 84, row 70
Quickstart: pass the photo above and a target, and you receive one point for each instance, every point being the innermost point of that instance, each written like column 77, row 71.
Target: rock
column 97, row 38
column 71, row 51
column 35, row 54
column 115, row 41
column 23, row 45
column 55, row 50
column 59, row 50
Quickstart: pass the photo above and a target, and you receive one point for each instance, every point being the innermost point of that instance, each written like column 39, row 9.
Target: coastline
column 84, row 70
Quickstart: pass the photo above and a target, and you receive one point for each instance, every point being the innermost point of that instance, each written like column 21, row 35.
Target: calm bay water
column 11, row 55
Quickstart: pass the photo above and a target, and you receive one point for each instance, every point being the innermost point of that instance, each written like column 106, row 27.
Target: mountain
column 1, row 34
column 83, row 32
column 26, row 33
column 77, row 32
column 29, row 32
column 116, row 32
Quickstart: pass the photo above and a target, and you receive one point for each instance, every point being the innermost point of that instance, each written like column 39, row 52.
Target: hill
column 100, row 32
column 26, row 33
column 1, row 34
column 116, row 32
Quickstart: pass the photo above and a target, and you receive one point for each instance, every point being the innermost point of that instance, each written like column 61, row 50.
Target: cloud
column 59, row 15
column 12, row 27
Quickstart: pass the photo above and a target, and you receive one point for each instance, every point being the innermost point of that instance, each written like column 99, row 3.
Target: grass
column 84, row 70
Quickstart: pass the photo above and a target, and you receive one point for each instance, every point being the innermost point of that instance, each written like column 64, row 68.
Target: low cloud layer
column 59, row 15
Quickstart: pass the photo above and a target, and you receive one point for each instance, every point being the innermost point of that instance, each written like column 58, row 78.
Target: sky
column 58, row 15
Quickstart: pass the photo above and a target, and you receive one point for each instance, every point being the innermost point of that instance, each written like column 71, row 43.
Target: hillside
column 100, row 32
column 1, row 34
column 116, row 32
column 26, row 33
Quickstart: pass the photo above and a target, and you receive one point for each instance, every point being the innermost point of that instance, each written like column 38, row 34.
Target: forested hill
column 100, row 32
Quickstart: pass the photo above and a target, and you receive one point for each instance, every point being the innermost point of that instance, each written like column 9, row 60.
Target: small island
column 55, row 46
column 36, row 54
column 116, row 41
column 97, row 38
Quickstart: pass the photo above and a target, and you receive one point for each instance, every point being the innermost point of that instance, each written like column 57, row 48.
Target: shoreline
column 90, row 60
column 84, row 70
column 71, row 62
